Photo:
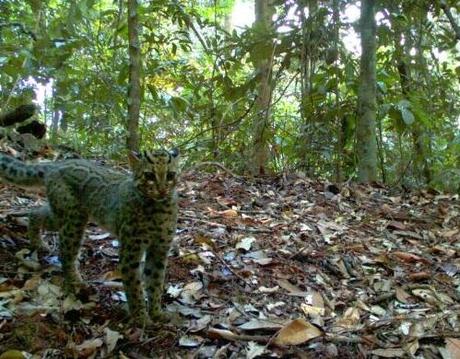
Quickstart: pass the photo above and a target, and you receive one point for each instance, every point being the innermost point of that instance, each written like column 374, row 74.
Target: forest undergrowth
column 271, row 267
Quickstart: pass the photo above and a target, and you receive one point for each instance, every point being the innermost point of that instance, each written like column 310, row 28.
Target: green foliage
column 199, row 85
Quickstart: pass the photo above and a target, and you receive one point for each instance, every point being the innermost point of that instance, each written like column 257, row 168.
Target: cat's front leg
column 154, row 275
column 130, row 257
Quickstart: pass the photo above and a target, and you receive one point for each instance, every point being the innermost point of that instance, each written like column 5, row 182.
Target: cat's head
column 155, row 172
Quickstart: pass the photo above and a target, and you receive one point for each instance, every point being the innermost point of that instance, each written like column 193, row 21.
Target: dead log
column 35, row 128
column 19, row 114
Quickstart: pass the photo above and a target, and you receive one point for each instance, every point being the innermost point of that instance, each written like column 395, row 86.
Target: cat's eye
column 170, row 176
column 149, row 176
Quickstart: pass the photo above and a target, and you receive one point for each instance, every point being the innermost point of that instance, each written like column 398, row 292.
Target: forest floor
column 268, row 268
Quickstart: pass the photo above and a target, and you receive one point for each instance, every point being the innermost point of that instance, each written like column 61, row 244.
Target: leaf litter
column 269, row 268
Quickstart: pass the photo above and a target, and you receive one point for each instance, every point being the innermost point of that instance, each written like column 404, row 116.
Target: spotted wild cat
column 140, row 209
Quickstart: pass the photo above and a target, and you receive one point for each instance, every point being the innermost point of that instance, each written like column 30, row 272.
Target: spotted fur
column 140, row 209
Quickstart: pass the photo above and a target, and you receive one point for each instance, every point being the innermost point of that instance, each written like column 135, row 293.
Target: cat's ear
column 134, row 159
column 174, row 152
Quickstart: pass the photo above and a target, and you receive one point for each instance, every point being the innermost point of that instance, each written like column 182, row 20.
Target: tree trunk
column 365, row 129
column 423, row 140
column 408, row 87
column 57, row 109
column 308, row 58
column 338, row 117
column 262, row 55
column 134, row 86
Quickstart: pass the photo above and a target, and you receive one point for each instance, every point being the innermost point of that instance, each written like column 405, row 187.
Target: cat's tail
column 20, row 173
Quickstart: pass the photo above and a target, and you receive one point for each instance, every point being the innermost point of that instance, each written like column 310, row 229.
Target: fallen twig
column 228, row 335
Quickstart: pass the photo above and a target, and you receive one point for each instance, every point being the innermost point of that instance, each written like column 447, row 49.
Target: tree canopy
column 202, row 82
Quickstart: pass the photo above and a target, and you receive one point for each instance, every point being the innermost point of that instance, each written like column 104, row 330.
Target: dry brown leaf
column 409, row 257
column 263, row 289
column 245, row 243
column 256, row 324
column 111, row 275
column 389, row 353
column 30, row 263
column 315, row 299
column 350, row 318
column 442, row 250
column 12, row 354
column 450, row 233
column 291, row 288
column 254, row 350
column 311, row 311
column 200, row 324
column 427, row 295
column 191, row 292
column 396, row 225
column 32, row 283
column 89, row 347
column 402, row 295
column 228, row 213
column 382, row 258
column 215, row 333
column 111, row 339
column 202, row 239
column 226, row 201
column 188, row 341
column 453, row 347
column 297, row 332
column 412, row 347
column 444, row 298
column 315, row 306
column 418, row 329
column 419, row 276
column 13, row 293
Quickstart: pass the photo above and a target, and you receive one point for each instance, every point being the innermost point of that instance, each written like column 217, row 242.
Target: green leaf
column 153, row 91
column 179, row 104
column 123, row 75
column 398, row 123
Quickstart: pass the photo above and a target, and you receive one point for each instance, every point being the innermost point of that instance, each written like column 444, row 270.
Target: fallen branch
column 230, row 336
column 19, row 114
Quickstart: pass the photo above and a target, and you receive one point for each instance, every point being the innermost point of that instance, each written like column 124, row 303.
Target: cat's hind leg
column 72, row 219
column 40, row 219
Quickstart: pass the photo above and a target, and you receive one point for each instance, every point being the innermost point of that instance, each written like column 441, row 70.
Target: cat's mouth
column 156, row 194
